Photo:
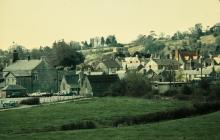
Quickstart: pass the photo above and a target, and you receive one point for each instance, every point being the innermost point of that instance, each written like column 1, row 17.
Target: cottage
column 131, row 63
column 158, row 64
column 97, row 85
column 188, row 59
column 70, row 84
column 108, row 66
column 33, row 75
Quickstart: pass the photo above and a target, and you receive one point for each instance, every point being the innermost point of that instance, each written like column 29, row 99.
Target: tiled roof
column 166, row 62
column 13, row 87
column 111, row 64
column 101, row 83
column 22, row 65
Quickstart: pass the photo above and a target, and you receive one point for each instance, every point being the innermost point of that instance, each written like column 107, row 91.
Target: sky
column 34, row 23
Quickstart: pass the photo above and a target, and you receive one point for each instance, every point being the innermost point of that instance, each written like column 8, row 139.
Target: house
column 190, row 75
column 108, row 66
column 188, row 59
column 34, row 75
column 158, row 64
column 131, row 63
column 13, row 91
column 70, row 84
column 163, row 87
column 96, row 85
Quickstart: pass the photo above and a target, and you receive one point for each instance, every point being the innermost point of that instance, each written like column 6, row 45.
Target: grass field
column 97, row 109
column 204, row 127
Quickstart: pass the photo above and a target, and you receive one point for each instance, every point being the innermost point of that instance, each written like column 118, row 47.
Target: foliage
column 79, row 125
column 131, row 85
column 111, row 40
column 150, row 43
column 65, row 55
column 31, row 101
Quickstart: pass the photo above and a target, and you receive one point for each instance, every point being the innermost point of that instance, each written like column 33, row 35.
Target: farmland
column 102, row 110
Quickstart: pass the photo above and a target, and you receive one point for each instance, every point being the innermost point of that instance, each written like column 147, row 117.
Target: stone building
column 33, row 75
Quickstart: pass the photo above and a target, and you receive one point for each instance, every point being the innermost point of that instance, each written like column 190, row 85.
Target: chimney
column 43, row 58
column 29, row 58
column 15, row 56
column 177, row 54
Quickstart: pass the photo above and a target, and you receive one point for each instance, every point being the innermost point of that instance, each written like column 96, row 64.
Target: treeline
column 59, row 54
column 155, row 44
column 137, row 85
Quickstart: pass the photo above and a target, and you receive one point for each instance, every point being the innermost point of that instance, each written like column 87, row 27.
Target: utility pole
column 201, row 66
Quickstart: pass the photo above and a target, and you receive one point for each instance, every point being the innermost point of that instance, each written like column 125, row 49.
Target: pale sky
column 35, row 23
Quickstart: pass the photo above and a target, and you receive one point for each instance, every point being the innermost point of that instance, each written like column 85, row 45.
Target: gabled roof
column 101, row 83
column 23, row 65
column 13, row 87
column 111, row 64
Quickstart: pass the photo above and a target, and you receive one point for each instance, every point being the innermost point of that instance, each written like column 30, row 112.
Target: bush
column 187, row 90
column 199, row 108
column 31, row 101
column 134, row 85
column 171, row 92
column 79, row 125
column 182, row 97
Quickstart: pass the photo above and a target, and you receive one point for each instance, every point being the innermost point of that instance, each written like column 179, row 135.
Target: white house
column 158, row 64
column 131, row 63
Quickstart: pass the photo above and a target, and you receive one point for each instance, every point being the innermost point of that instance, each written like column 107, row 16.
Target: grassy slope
column 204, row 127
column 101, row 109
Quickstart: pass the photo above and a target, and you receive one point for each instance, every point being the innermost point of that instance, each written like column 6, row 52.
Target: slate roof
column 111, row 64
column 13, row 87
column 166, row 62
column 101, row 83
column 22, row 65
column 72, row 80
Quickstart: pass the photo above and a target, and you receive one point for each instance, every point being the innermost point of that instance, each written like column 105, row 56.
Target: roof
column 166, row 62
column 217, row 24
column 190, row 54
column 2, row 84
column 13, row 87
column 23, row 65
column 20, row 73
column 101, row 83
column 111, row 64
column 72, row 79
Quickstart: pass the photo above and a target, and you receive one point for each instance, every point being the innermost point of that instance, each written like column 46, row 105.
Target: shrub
column 134, row 84
column 187, row 90
column 31, row 101
column 182, row 97
column 171, row 92
column 199, row 108
column 79, row 125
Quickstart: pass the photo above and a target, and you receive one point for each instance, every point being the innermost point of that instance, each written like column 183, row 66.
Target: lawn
column 204, row 127
column 101, row 110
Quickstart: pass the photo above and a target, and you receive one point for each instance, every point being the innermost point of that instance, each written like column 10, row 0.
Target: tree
column 64, row 55
column 111, row 40
column 102, row 41
column 75, row 45
column 131, row 85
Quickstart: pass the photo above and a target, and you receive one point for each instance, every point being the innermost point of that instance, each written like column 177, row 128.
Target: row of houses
column 93, row 80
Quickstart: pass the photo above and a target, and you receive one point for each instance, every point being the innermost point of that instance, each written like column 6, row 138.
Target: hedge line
column 197, row 109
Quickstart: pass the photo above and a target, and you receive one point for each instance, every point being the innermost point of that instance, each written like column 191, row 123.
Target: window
column 35, row 76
